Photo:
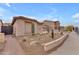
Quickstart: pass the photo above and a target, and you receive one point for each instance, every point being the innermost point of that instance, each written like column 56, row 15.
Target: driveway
column 70, row 46
column 12, row 47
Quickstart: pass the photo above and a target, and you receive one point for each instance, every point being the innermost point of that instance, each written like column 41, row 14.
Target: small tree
column 69, row 28
column 24, row 40
column 52, row 34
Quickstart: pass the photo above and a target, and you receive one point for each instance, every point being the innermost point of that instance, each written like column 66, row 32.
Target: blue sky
column 66, row 13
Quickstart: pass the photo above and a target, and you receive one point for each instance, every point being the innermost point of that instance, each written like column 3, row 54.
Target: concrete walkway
column 70, row 46
column 12, row 47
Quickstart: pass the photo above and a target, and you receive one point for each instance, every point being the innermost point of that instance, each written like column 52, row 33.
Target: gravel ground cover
column 33, row 44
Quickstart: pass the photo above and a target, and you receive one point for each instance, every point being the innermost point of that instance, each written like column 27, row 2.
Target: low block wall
column 50, row 45
column 2, row 38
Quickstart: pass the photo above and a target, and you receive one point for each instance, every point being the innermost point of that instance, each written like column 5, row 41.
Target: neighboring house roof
column 23, row 18
column 6, row 24
column 62, row 26
column 40, row 23
column 49, row 21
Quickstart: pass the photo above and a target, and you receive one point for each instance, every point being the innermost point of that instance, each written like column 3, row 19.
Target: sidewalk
column 70, row 46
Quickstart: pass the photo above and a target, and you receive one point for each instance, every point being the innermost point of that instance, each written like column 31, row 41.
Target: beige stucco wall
column 0, row 26
column 40, row 28
column 19, row 28
column 52, row 25
column 2, row 38
column 28, row 28
column 48, row 25
column 22, row 28
column 36, row 27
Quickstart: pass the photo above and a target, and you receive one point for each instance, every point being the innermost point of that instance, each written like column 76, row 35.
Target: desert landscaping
column 31, row 37
column 34, row 44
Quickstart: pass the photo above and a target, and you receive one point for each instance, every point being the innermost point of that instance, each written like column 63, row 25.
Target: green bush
column 69, row 28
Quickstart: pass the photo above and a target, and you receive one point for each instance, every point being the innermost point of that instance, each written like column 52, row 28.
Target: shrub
column 24, row 40
column 69, row 28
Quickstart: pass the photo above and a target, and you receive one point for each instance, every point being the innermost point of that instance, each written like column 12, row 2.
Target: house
column 1, row 24
column 24, row 25
column 52, row 25
column 41, row 28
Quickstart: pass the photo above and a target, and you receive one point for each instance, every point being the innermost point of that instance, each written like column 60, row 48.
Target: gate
column 7, row 30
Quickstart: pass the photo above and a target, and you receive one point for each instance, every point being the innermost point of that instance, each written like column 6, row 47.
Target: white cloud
column 2, row 11
column 5, row 14
column 77, row 21
column 55, row 19
column 32, row 17
column 76, row 16
column 52, row 15
column 8, row 4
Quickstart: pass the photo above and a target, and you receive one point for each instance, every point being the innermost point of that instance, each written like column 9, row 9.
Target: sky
column 66, row 13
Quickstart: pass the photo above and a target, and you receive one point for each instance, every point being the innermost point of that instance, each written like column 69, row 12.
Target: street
column 70, row 46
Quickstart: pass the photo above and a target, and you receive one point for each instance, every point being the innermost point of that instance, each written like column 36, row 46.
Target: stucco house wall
column 40, row 28
column 52, row 25
column 28, row 28
column 35, row 27
column 0, row 25
column 19, row 28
